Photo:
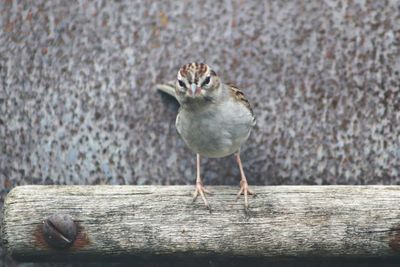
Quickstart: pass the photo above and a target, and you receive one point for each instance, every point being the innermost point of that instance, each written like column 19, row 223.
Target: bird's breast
column 214, row 133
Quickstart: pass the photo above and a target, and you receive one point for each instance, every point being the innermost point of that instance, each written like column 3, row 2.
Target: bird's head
column 196, row 82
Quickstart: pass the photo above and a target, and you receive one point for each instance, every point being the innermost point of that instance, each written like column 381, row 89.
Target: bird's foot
column 244, row 189
column 200, row 190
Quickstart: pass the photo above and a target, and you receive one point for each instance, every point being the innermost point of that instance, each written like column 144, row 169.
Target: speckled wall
column 78, row 103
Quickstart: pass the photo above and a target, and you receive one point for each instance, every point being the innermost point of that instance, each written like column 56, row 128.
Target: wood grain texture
column 137, row 221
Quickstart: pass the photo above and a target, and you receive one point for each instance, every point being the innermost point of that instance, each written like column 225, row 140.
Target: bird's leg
column 244, row 187
column 200, row 190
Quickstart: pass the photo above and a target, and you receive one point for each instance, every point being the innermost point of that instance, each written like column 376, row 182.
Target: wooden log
column 136, row 221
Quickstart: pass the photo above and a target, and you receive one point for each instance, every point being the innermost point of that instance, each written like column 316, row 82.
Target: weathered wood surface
column 136, row 221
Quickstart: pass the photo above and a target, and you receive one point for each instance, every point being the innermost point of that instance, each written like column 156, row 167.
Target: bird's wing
column 238, row 95
column 168, row 88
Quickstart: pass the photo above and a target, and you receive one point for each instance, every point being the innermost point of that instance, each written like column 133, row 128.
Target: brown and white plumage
column 214, row 120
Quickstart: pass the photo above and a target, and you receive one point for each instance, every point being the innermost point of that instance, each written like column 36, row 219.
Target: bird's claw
column 244, row 189
column 200, row 190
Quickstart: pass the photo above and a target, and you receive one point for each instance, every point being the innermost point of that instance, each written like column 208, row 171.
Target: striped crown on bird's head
column 196, row 80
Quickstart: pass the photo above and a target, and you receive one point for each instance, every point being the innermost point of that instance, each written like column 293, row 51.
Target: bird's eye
column 206, row 81
column 181, row 84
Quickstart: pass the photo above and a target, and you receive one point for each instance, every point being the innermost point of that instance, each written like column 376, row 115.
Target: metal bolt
column 59, row 231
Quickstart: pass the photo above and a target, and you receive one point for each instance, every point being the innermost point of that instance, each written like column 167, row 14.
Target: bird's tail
column 168, row 88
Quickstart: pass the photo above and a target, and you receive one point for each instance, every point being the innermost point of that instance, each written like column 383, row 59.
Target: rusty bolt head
column 59, row 231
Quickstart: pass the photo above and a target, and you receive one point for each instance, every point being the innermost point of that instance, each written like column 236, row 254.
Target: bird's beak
column 194, row 90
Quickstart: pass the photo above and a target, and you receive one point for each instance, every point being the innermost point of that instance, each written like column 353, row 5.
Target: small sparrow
column 214, row 119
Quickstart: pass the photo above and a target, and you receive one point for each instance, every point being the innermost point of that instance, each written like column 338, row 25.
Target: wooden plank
column 135, row 221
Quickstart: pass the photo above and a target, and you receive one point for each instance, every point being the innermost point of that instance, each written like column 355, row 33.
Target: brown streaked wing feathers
column 239, row 95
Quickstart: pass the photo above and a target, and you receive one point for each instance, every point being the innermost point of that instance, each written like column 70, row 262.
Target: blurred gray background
column 78, row 103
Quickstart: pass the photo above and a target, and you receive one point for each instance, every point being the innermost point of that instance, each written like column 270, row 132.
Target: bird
column 214, row 119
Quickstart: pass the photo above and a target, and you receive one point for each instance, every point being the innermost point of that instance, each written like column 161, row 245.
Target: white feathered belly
column 215, row 134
